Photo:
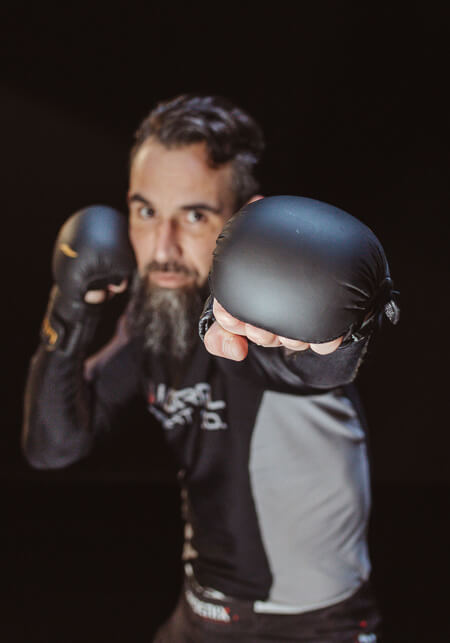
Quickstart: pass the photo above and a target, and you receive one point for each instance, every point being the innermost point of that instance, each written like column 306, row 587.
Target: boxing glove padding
column 92, row 250
column 300, row 268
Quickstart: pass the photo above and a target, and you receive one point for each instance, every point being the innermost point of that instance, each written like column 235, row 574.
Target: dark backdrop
column 353, row 100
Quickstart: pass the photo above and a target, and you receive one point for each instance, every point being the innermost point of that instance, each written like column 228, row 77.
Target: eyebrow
column 139, row 199
column 202, row 206
column 190, row 206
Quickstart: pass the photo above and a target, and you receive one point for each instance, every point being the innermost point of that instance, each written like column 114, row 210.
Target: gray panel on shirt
column 310, row 481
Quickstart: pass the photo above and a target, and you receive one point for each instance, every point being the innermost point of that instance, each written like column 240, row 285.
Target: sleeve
column 308, row 371
column 70, row 402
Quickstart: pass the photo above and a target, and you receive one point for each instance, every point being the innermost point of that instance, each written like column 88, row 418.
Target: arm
column 63, row 413
column 293, row 365
column 57, row 427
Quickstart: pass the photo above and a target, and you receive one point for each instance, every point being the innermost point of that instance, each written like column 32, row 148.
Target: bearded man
column 269, row 442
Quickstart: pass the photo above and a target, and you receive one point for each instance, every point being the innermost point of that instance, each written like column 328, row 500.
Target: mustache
column 170, row 266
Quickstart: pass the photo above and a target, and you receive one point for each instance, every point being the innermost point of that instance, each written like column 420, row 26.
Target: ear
column 255, row 197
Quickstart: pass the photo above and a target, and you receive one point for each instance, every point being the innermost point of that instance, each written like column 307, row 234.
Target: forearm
column 57, row 426
column 92, row 251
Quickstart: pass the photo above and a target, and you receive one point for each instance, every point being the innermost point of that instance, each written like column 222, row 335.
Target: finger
column 235, row 326
column 327, row 347
column 261, row 337
column 222, row 343
column 226, row 320
column 95, row 296
column 118, row 288
column 294, row 344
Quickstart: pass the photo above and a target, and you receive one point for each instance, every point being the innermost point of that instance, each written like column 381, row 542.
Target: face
column 178, row 206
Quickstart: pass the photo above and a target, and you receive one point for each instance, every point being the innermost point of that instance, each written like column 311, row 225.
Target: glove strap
column 68, row 325
column 207, row 318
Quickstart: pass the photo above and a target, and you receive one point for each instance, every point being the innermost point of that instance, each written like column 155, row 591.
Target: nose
column 167, row 246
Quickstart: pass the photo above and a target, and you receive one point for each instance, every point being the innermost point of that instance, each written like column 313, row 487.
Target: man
column 274, row 471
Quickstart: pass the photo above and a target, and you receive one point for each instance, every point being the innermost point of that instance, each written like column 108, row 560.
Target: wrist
column 68, row 324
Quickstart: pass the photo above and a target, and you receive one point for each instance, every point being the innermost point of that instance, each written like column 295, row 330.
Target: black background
column 353, row 100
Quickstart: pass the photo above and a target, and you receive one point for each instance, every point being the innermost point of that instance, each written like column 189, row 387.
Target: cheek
column 142, row 248
column 201, row 255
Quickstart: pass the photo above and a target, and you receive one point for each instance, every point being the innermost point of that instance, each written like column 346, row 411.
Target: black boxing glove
column 301, row 269
column 91, row 251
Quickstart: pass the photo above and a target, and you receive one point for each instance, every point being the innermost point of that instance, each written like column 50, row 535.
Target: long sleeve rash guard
column 271, row 455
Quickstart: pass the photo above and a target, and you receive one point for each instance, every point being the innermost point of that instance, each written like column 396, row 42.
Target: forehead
column 183, row 172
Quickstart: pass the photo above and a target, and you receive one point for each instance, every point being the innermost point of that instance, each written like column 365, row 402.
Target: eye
column 145, row 212
column 195, row 216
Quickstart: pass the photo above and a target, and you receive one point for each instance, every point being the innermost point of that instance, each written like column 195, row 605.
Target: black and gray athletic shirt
column 271, row 453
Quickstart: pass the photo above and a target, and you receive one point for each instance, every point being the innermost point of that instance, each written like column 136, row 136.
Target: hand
column 228, row 337
column 92, row 259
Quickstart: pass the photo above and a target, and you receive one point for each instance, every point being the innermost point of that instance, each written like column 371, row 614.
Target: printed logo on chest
column 179, row 408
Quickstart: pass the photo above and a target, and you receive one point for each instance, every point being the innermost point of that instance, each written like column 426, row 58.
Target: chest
column 207, row 420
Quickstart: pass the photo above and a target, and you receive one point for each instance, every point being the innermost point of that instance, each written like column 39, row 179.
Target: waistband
column 215, row 614
column 199, row 594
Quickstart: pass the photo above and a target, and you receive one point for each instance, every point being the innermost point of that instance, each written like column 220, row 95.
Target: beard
column 166, row 318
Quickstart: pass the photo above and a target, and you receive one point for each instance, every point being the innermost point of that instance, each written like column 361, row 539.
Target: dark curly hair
column 229, row 132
